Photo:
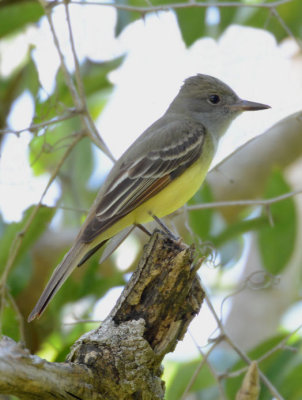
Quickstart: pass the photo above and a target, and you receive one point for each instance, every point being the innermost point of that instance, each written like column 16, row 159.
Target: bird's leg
column 143, row 229
column 164, row 227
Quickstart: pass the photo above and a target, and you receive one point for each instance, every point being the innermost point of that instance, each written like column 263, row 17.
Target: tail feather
column 59, row 276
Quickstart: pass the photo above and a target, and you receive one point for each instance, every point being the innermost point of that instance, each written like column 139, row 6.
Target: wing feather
column 143, row 178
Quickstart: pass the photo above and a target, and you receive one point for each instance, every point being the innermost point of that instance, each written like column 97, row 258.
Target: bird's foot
column 165, row 228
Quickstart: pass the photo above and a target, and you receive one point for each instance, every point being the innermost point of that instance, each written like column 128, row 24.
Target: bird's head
column 211, row 102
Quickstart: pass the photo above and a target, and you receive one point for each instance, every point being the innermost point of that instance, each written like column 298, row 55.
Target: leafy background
column 29, row 248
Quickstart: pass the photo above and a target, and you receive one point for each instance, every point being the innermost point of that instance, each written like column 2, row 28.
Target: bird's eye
column 214, row 99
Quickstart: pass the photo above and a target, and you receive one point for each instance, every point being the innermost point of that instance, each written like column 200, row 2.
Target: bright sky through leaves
column 157, row 61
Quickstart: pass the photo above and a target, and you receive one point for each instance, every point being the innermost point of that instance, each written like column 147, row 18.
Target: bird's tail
column 59, row 276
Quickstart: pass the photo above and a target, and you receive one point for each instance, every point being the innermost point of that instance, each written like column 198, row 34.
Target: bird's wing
column 141, row 179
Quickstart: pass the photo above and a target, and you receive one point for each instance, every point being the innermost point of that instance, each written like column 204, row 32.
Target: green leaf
column 227, row 17
column 20, row 276
column 276, row 243
column 201, row 220
column 14, row 229
column 24, row 77
column 291, row 383
column 288, row 15
column 124, row 18
column 47, row 149
column 182, row 375
column 191, row 22
column 95, row 81
column 78, row 168
column 273, row 367
column 98, row 283
column 79, row 165
column 238, row 228
column 291, row 15
column 15, row 16
column 31, row 77
column 94, row 74
column 85, row 281
column 230, row 239
column 10, row 323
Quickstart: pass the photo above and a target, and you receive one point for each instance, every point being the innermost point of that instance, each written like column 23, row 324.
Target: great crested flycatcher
column 159, row 172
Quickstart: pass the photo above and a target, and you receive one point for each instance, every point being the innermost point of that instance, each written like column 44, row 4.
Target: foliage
column 194, row 21
column 277, row 242
column 273, row 367
column 15, row 15
column 48, row 144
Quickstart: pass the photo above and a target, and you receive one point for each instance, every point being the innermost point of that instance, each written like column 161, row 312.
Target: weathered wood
column 120, row 359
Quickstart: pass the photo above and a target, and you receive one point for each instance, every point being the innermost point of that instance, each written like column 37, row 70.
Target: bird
column 158, row 173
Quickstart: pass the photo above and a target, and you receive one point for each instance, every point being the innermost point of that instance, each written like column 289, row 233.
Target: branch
column 190, row 4
column 236, row 203
column 31, row 377
column 121, row 359
column 272, row 7
column 204, row 361
column 280, row 346
column 224, row 336
column 243, row 175
column 78, row 99
column 164, row 291
column 285, row 27
column 88, row 121
column 71, row 113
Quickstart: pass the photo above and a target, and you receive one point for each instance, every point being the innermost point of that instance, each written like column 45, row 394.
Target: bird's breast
column 180, row 190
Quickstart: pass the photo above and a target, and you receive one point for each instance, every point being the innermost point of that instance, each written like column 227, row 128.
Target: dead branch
column 120, row 359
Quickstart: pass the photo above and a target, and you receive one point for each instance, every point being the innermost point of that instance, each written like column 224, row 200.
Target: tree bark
column 122, row 358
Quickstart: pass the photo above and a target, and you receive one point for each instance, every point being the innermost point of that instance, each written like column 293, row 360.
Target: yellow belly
column 172, row 197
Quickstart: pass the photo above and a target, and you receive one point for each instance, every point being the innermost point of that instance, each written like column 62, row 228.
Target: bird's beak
column 245, row 105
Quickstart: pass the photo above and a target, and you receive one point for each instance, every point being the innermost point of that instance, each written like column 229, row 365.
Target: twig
column 285, row 27
column 280, row 345
column 241, row 354
column 74, row 54
column 67, row 76
column 236, row 203
column 203, row 361
column 73, row 112
column 193, row 3
column 80, row 85
column 234, row 374
column 268, row 280
column 79, row 101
